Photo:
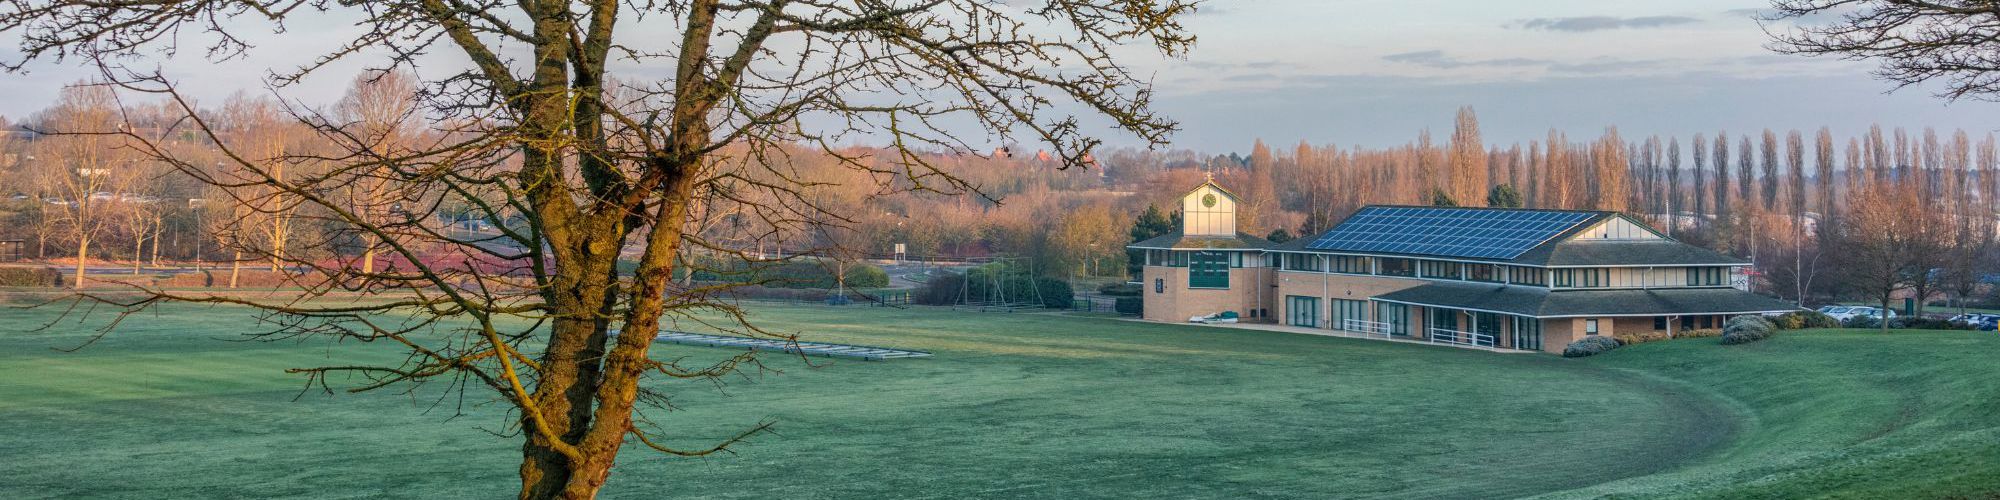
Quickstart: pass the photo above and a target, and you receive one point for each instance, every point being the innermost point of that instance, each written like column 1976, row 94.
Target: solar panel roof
column 1448, row 232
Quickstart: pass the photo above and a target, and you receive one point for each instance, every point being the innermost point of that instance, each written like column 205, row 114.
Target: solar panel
column 1448, row 232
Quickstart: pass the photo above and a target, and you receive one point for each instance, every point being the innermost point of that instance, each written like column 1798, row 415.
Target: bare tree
column 527, row 129
column 1875, row 243
column 1722, row 205
column 86, row 163
column 1911, row 41
column 1468, row 172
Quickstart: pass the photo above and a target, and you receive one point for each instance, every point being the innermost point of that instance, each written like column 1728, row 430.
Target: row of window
column 1434, row 269
column 1393, row 319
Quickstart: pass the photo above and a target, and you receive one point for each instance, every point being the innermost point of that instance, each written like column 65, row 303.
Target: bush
column 1590, row 346
column 866, row 276
column 1867, row 322
column 1130, row 306
column 1929, row 324
column 30, row 276
column 1747, row 329
column 1699, row 333
column 1056, row 294
column 1121, row 289
column 1641, row 338
column 1797, row 320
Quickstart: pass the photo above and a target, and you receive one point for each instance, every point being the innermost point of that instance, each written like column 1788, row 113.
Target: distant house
column 1504, row 278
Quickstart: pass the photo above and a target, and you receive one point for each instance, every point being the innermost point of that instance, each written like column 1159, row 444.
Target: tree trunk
column 82, row 254
column 138, row 255
column 235, row 268
column 1885, row 313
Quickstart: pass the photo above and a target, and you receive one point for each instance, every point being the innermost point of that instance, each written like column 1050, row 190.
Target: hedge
column 1130, row 306
column 30, row 276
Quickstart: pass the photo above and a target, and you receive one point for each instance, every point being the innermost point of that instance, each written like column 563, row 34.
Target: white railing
column 1366, row 328
column 1461, row 338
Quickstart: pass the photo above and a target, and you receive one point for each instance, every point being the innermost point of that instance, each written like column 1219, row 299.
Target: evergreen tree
column 1439, row 198
column 1279, row 235
column 1503, row 196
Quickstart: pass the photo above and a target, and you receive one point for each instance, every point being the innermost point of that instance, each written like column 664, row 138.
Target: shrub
column 30, row 276
column 1130, row 306
column 1796, row 320
column 1868, row 322
column 1641, row 338
column 866, row 276
column 1747, row 329
column 1929, row 324
column 1590, row 346
column 1056, row 294
column 1699, row 333
column 1121, row 289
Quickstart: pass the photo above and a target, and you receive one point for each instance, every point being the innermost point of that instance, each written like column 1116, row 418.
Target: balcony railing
column 1461, row 338
column 1366, row 328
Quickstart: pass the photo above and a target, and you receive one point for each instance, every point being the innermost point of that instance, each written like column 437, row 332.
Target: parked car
column 1979, row 321
column 1844, row 313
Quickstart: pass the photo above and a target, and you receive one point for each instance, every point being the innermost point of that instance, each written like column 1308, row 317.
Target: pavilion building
column 1506, row 278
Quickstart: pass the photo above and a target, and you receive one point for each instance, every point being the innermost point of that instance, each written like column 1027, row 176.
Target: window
column 1441, row 269
column 1344, row 310
column 1707, row 276
column 1208, row 270
column 1350, row 264
column 1583, row 278
column 1659, row 323
column 1159, row 285
column 1397, row 316
column 1398, row 267
column 1708, row 322
column 1594, row 278
column 1483, row 272
column 1590, row 327
column 1300, row 262
column 1527, row 333
column 1525, row 275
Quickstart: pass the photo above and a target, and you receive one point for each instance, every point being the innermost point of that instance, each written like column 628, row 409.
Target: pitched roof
column 1177, row 241
column 1209, row 181
column 1498, row 234
column 1545, row 303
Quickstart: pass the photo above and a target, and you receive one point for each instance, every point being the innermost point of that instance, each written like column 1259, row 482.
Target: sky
column 1376, row 72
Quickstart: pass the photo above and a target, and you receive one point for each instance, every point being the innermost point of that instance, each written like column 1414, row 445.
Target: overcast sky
column 1375, row 72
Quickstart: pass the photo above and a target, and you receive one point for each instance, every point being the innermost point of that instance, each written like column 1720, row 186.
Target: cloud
column 1600, row 23
column 1438, row 59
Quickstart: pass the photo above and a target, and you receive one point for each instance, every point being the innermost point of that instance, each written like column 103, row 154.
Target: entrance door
column 1302, row 311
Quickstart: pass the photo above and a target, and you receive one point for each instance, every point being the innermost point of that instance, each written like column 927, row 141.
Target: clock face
column 1208, row 200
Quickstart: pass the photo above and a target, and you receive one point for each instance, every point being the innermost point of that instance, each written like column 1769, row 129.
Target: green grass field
column 1022, row 405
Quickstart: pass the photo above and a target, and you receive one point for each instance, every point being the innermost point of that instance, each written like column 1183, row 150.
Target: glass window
column 1527, row 275
column 1441, row 269
column 1483, row 272
column 1527, row 333
column 1397, row 267
column 1350, row 264
column 1659, row 323
column 1397, row 316
column 1590, row 327
column 1565, row 277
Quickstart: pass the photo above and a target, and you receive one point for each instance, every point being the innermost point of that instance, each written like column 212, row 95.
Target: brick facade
column 1168, row 298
